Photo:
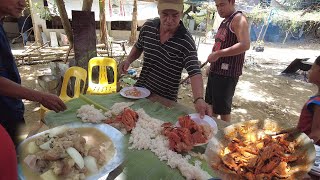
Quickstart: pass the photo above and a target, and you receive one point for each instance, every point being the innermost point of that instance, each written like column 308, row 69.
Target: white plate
column 144, row 92
column 207, row 120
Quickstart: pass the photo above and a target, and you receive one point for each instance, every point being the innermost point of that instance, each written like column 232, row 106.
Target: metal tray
column 116, row 137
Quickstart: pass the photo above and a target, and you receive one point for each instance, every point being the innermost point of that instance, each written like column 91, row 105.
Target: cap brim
column 164, row 6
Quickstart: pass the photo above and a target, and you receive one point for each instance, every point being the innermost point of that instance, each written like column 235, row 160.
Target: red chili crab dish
column 188, row 135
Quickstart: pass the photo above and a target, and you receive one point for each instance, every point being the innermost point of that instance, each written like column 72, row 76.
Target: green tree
column 292, row 4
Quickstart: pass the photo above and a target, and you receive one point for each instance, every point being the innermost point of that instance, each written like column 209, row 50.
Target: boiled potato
column 32, row 147
column 48, row 175
column 46, row 145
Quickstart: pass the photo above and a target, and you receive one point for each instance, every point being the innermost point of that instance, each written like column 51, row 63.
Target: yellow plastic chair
column 103, row 86
column 80, row 74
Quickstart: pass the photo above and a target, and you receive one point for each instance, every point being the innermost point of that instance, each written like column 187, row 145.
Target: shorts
column 219, row 93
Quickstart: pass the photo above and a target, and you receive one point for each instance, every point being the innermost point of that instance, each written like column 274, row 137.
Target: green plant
column 292, row 4
column 287, row 20
column 46, row 12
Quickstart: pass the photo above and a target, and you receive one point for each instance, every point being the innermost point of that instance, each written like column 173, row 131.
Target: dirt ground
column 262, row 92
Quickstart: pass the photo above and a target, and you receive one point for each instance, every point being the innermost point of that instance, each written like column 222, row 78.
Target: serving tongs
column 284, row 131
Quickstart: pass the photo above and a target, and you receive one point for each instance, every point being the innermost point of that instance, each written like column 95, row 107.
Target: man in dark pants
column 227, row 58
column 11, row 91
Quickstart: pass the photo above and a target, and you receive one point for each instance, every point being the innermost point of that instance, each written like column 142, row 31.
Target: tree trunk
column 66, row 24
column 284, row 40
column 103, row 24
column 36, row 31
column 134, row 25
column 87, row 5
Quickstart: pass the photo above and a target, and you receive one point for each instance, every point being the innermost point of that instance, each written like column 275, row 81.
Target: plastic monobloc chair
column 103, row 86
column 80, row 74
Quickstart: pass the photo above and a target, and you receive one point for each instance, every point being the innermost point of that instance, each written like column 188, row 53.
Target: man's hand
column 213, row 57
column 202, row 108
column 124, row 66
column 52, row 102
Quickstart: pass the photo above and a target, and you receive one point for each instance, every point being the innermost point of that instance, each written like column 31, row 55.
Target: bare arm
column 15, row 90
column 197, row 89
column 241, row 29
column 315, row 129
column 135, row 53
column 197, row 86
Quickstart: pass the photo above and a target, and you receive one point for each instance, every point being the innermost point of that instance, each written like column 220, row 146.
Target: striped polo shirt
column 230, row 66
column 163, row 63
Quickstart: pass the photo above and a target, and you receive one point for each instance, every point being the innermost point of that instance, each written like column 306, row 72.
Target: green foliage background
column 288, row 20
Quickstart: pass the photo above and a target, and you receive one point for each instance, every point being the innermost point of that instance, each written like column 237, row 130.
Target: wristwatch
column 195, row 101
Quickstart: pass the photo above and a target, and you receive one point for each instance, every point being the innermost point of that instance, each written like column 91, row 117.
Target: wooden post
column 87, row 5
column 66, row 24
column 84, row 29
column 134, row 24
column 103, row 23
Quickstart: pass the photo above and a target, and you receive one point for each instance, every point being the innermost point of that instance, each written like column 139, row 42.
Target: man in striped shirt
column 227, row 58
column 168, row 48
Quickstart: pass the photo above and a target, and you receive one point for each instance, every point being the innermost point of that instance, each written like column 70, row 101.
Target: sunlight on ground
column 250, row 92
column 298, row 88
column 30, row 78
column 28, row 75
column 25, row 68
column 293, row 112
column 242, row 111
column 304, row 89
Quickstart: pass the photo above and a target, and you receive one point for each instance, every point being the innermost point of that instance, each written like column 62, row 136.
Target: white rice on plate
column 147, row 135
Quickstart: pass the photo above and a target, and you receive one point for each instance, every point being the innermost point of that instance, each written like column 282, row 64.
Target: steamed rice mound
column 88, row 113
column 147, row 135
